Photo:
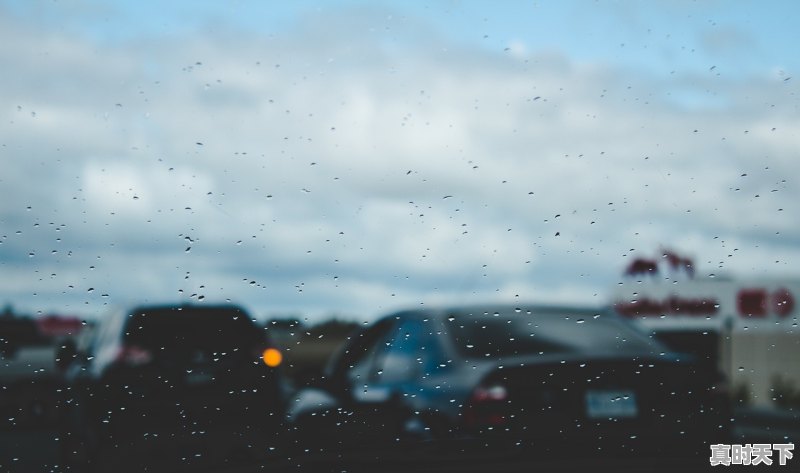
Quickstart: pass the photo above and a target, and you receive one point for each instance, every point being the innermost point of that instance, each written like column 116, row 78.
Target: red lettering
column 752, row 302
column 782, row 302
column 673, row 304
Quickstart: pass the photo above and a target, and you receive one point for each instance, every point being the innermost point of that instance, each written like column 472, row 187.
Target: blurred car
column 167, row 379
column 19, row 332
column 511, row 377
column 28, row 377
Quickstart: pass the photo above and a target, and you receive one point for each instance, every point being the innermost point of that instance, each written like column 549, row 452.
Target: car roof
column 186, row 308
column 485, row 310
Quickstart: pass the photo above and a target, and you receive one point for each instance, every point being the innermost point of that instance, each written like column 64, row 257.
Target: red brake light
column 134, row 355
column 490, row 393
column 487, row 406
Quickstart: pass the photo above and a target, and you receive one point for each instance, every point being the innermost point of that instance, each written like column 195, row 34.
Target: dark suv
column 187, row 383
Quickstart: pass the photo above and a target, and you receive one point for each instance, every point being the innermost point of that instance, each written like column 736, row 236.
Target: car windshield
column 171, row 329
column 511, row 333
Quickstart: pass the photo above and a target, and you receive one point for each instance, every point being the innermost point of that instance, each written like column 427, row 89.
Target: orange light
column 272, row 357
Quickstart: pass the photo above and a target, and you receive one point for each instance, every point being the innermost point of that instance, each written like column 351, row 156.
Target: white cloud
column 288, row 162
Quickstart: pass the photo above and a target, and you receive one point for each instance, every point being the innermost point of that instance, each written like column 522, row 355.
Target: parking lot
column 36, row 450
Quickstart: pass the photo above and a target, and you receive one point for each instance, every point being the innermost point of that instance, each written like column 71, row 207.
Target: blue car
column 510, row 377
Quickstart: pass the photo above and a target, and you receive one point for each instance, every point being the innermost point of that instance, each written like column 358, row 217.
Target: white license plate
column 610, row 404
column 198, row 378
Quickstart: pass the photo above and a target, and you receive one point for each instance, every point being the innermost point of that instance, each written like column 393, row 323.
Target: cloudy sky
column 355, row 157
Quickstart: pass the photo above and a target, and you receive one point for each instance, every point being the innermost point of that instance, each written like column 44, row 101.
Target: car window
column 510, row 333
column 356, row 360
column 175, row 328
column 402, row 357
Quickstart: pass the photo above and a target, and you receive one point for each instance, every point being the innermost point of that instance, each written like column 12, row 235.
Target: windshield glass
column 510, row 333
column 325, row 165
column 211, row 329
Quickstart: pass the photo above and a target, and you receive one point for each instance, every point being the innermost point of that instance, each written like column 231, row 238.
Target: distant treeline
column 333, row 327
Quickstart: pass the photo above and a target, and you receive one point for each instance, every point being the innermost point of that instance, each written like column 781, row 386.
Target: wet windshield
column 510, row 334
column 317, row 185
column 219, row 329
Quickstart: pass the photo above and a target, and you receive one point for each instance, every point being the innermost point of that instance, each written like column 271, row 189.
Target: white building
column 748, row 326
